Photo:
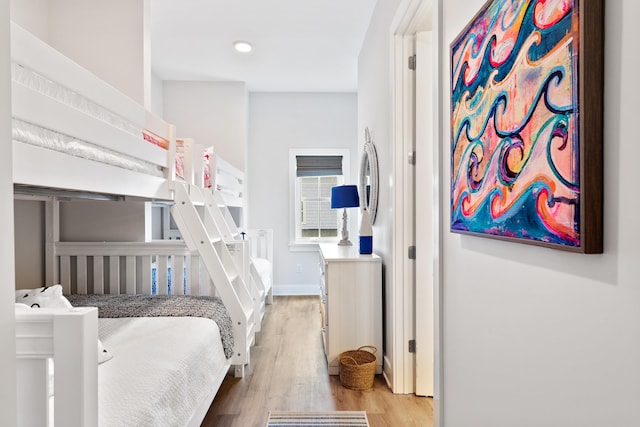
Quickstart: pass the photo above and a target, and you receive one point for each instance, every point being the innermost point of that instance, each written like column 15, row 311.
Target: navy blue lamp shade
column 344, row 196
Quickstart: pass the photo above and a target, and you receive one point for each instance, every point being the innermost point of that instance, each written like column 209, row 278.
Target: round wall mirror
column 369, row 177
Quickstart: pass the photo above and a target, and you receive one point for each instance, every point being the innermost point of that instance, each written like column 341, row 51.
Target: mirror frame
column 369, row 157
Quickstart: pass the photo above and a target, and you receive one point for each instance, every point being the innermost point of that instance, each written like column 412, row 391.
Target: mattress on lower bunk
column 161, row 371
column 263, row 267
column 119, row 306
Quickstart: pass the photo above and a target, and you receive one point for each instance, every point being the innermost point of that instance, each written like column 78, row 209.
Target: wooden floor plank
column 288, row 372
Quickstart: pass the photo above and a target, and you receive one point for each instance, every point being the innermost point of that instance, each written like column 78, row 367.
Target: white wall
column 375, row 110
column 278, row 122
column 535, row 336
column 213, row 113
column 106, row 37
column 7, row 266
column 33, row 16
column 157, row 96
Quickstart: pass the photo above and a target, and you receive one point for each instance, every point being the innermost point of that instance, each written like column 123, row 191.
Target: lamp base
column 345, row 231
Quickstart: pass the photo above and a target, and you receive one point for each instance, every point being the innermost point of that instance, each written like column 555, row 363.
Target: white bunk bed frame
column 68, row 335
column 38, row 166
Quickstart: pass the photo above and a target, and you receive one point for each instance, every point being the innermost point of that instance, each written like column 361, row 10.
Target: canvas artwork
column 519, row 149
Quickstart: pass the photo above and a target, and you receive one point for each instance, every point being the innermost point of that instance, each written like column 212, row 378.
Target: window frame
column 294, row 191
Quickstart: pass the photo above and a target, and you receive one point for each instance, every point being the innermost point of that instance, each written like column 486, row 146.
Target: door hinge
column 412, row 346
column 412, row 252
column 412, row 158
column 412, row 62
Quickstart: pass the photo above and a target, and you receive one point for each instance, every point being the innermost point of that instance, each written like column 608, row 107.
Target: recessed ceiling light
column 243, row 46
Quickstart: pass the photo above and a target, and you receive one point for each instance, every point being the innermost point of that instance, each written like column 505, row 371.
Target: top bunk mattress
column 162, row 369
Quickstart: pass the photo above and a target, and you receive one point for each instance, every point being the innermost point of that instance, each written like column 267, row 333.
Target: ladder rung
column 233, row 277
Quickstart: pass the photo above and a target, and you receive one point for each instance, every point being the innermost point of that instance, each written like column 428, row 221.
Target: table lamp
column 344, row 196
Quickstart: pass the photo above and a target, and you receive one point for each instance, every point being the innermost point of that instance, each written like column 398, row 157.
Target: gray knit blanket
column 116, row 306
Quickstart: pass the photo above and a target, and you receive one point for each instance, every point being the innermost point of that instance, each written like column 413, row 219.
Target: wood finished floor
column 288, row 372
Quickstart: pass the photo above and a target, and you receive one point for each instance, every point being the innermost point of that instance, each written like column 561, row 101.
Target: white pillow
column 51, row 297
column 46, row 297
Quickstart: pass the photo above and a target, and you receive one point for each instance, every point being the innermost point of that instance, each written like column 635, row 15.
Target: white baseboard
column 388, row 372
column 437, row 412
column 293, row 289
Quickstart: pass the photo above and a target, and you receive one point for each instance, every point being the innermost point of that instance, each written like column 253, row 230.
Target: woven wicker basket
column 358, row 368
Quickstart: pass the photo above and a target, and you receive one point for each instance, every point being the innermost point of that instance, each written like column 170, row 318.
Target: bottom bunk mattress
column 162, row 371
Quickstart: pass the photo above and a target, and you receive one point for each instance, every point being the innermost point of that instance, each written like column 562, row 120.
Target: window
column 313, row 174
column 316, row 217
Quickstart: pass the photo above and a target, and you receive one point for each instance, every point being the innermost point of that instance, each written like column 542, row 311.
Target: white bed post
column 198, row 165
column 187, row 153
column 75, row 360
column 171, row 170
column 52, row 236
column 69, row 336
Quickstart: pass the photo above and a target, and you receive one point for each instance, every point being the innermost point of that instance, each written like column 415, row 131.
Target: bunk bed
column 76, row 136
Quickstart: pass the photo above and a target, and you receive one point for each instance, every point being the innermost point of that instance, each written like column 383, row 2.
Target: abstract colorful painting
column 519, row 149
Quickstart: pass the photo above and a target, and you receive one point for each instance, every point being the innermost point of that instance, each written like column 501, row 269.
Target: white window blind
column 317, row 218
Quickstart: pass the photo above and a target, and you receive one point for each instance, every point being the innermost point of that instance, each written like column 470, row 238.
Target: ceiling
column 299, row 45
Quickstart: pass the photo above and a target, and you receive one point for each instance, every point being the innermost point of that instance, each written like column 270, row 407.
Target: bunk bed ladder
column 240, row 247
column 225, row 215
column 205, row 238
column 221, row 215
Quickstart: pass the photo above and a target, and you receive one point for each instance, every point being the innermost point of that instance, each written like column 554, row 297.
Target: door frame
column 403, row 372
column 424, row 219
column 410, row 16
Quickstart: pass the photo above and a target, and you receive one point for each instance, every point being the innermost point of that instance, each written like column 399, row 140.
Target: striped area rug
column 312, row 419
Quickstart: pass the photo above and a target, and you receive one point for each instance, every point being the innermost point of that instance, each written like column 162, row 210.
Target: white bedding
column 162, row 369
column 35, row 135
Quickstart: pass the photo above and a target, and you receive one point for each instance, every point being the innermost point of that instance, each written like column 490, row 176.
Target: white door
column 425, row 206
